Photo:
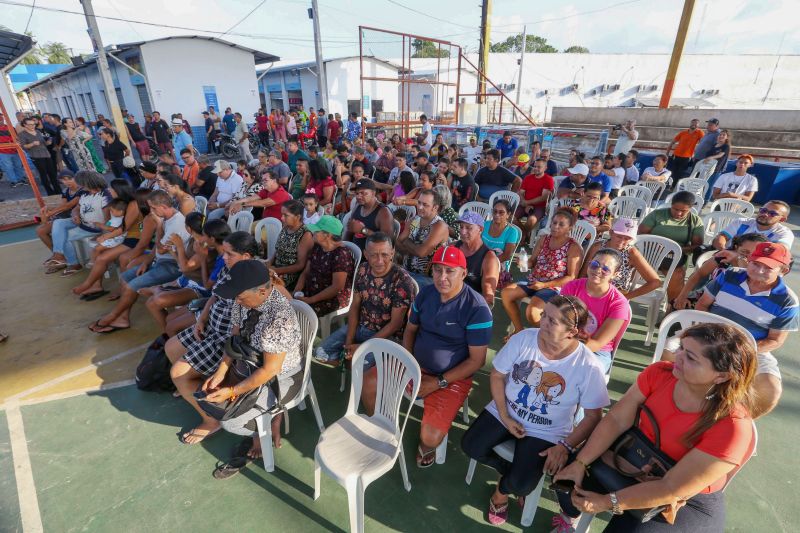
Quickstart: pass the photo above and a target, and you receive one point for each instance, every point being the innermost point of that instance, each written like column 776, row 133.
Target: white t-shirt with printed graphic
column 544, row 395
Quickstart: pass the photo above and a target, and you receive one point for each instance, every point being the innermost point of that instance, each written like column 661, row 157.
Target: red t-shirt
column 5, row 137
column 533, row 186
column 263, row 123
column 333, row 126
column 279, row 197
column 730, row 439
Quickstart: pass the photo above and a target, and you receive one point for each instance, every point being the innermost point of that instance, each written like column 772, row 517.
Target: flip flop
column 91, row 296
column 202, row 437
column 70, row 271
column 422, row 457
column 112, row 330
column 497, row 514
column 52, row 269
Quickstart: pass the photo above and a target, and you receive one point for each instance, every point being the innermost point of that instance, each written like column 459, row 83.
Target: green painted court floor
column 111, row 461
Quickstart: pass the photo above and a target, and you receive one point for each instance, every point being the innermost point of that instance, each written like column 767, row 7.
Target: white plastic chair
column 582, row 232
column 510, row 196
column 657, row 188
column 556, row 204
column 481, row 208
column 655, row 250
column 689, row 317
column 716, row 221
column 734, row 205
column 358, row 449
column 696, row 208
column 241, row 221
column 693, row 185
column 326, row 321
column 273, row 228
column 200, row 204
column 346, row 220
column 308, row 330
column 638, row 191
column 506, row 451
column 628, row 207
column 410, row 210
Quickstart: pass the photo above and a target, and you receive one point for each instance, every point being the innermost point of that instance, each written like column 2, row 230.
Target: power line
column 243, row 18
column 427, row 15
column 559, row 19
column 27, row 24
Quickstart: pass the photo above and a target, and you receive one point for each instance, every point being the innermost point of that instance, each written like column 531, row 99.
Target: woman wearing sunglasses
column 609, row 310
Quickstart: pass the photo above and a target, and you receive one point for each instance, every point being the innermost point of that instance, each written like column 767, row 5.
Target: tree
column 533, row 44
column 428, row 49
column 56, row 53
column 575, row 49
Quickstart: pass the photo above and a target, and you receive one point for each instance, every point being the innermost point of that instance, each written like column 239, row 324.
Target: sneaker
column 322, row 356
column 563, row 524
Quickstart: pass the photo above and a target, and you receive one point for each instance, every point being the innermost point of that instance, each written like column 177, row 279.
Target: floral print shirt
column 380, row 296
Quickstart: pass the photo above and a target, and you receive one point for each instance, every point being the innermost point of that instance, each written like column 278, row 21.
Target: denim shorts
column 543, row 294
column 161, row 271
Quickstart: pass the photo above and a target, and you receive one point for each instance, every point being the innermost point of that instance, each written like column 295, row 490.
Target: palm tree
column 56, row 53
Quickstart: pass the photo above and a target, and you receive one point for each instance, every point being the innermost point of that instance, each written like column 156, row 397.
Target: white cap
column 580, row 168
column 220, row 165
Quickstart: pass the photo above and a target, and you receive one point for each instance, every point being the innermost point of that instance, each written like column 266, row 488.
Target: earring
column 711, row 393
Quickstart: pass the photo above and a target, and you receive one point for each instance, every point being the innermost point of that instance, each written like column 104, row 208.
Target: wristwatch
column 614, row 503
column 442, row 381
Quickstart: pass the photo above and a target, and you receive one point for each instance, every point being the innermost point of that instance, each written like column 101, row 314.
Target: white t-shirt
column 427, row 132
column 228, row 187
column 175, row 224
column 619, row 177
column 665, row 174
column 91, row 209
column 544, row 395
column 625, row 143
column 731, row 183
column 777, row 233
column 472, row 154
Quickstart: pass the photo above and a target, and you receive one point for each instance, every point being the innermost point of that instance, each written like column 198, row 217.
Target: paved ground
column 81, row 449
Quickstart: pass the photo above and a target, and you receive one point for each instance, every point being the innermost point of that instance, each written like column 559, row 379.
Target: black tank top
column 474, row 267
column 369, row 221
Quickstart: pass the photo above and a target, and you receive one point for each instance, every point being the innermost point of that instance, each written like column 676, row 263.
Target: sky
column 282, row 27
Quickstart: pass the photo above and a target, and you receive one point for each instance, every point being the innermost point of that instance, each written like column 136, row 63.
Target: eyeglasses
column 594, row 265
column 770, row 212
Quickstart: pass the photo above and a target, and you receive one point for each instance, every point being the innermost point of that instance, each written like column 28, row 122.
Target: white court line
column 77, row 392
column 26, row 489
column 18, row 242
column 15, row 398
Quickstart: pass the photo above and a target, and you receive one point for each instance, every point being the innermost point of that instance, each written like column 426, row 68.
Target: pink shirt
column 612, row 305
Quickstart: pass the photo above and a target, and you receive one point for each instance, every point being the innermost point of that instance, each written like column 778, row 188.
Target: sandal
column 425, row 459
column 91, row 296
column 231, row 468
column 498, row 514
column 192, row 433
column 55, row 267
column 71, row 270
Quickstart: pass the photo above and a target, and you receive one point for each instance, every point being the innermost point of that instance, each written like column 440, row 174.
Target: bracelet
column 564, row 443
column 584, row 465
column 233, row 394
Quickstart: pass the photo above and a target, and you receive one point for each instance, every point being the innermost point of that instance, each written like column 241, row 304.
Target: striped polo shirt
column 758, row 313
column 448, row 329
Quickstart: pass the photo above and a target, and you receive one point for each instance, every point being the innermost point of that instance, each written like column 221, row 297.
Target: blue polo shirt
column 603, row 179
column 179, row 142
column 757, row 313
column 448, row 329
column 230, row 123
column 507, row 149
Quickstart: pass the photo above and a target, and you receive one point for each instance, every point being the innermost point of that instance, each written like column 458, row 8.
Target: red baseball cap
column 450, row 256
column 771, row 254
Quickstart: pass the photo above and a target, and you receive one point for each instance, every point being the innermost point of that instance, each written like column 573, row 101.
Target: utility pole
column 677, row 53
column 483, row 52
column 322, row 84
column 522, row 61
column 105, row 73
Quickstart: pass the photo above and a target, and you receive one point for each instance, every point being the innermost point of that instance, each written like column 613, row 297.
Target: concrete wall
column 177, row 84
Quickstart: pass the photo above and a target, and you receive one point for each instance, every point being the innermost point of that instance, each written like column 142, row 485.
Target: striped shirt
column 777, row 233
column 776, row 309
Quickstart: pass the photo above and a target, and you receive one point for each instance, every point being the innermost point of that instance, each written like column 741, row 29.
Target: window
column 85, row 109
column 144, row 99
column 94, row 108
column 377, row 107
column 353, row 106
column 75, row 111
column 120, row 100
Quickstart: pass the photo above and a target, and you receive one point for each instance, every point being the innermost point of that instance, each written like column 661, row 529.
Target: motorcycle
column 228, row 147
column 255, row 140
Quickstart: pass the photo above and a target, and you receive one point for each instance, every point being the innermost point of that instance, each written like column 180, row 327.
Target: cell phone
column 563, row 485
column 200, row 394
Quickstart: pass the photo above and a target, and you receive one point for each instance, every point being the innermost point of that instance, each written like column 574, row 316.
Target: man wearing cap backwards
column 757, row 299
column 370, row 216
column 507, row 145
column 737, row 184
column 483, row 267
column 575, row 185
column 422, row 236
column 264, row 319
column 180, row 140
column 448, row 332
column 228, row 184
column 381, row 300
column 149, row 173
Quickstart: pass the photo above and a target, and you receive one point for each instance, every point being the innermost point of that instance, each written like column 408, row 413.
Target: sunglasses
column 594, row 265
column 770, row 212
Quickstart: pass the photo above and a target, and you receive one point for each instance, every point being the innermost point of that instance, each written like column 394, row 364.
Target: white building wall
column 177, row 86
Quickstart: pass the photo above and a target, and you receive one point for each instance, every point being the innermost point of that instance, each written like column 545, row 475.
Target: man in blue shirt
column 448, row 332
column 552, row 167
column 495, row 177
column 759, row 301
column 229, row 121
column 180, row 139
column 596, row 174
column 507, row 145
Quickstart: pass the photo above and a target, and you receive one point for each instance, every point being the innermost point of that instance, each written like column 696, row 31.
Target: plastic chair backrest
column 628, row 207
column 734, row 205
column 410, row 209
column 308, row 330
column 655, row 250
column 689, row 317
column 357, row 253
column 510, row 196
column 273, row 228
column 750, row 451
column 345, row 221
column 200, row 204
column 637, row 191
column 657, row 188
column 241, row 221
column 477, row 191
column 693, row 185
column 395, row 368
column 716, row 221
column 554, row 205
column 396, row 228
column 580, row 231
column 481, row 208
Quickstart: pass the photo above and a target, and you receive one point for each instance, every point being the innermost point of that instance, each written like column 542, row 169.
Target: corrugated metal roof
column 13, row 46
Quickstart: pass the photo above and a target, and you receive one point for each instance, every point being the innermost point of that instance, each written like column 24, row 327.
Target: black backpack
column 152, row 374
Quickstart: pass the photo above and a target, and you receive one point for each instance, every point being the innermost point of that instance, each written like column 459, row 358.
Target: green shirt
column 662, row 224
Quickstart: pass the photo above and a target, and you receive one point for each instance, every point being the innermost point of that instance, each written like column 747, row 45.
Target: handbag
column 622, row 465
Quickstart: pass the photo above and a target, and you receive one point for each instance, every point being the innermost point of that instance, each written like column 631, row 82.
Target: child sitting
column 113, row 231
column 311, row 214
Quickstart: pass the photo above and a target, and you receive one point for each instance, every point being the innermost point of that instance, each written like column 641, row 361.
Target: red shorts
column 442, row 405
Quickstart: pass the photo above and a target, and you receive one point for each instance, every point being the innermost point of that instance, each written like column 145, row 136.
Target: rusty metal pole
column 677, row 53
column 483, row 52
column 458, row 86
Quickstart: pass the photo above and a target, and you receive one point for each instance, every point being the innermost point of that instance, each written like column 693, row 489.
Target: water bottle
column 522, row 260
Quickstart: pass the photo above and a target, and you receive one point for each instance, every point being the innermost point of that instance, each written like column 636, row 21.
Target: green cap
column 327, row 223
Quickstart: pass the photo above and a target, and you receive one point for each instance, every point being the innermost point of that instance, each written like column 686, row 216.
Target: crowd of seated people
column 429, row 280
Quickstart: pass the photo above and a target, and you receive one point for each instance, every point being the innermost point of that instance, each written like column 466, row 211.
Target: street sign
column 210, row 94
